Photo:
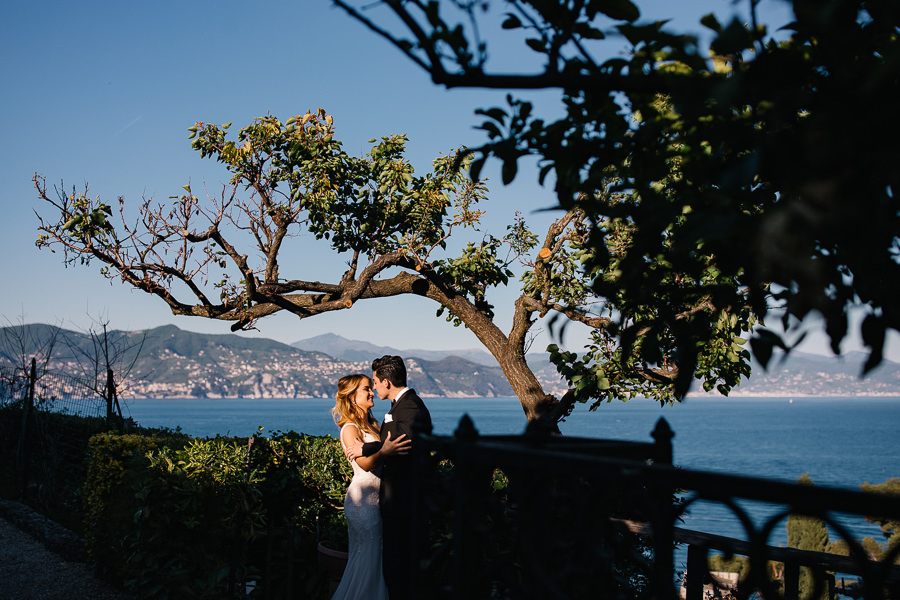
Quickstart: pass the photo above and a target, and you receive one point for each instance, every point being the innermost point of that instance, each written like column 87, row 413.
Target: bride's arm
column 351, row 438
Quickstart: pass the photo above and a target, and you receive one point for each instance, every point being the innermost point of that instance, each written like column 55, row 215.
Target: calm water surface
column 840, row 442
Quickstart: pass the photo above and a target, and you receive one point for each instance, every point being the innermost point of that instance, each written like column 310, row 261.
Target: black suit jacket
column 396, row 474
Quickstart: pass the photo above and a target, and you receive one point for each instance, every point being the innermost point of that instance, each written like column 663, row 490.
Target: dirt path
column 29, row 571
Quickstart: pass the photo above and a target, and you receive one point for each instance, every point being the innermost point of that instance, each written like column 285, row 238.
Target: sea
column 838, row 441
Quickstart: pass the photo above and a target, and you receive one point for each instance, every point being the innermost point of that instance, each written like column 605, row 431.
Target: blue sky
column 103, row 93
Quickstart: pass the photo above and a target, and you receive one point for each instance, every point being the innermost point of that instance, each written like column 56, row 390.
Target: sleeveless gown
column 363, row 578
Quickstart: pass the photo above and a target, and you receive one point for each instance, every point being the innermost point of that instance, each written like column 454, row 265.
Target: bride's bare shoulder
column 349, row 433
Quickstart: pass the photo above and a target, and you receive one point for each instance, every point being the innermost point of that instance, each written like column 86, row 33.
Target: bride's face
column 365, row 397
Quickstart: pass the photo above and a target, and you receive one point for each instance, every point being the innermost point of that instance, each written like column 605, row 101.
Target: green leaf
column 475, row 169
column 492, row 130
column 497, row 114
column 511, row 22
column 619, row 10
column 536, row 45
column 710, row 22
column 587, row 32
column 509, row 170
column 734, row 39
column 873, row 335
column 762, row 350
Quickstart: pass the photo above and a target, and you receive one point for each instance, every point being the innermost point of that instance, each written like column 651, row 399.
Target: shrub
column 115, row 464
column 174, row 518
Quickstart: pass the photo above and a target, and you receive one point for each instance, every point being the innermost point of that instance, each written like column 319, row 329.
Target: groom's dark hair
column 390, row 368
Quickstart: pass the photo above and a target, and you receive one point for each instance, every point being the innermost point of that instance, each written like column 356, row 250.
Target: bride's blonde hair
column 346, row 411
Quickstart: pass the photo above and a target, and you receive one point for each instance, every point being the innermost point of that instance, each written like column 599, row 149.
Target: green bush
column 733, row 564
column 171, row 518
column 114, row 466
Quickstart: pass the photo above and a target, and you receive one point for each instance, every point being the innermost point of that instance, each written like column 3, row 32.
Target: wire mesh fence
column 45, row 422
column 53, row 392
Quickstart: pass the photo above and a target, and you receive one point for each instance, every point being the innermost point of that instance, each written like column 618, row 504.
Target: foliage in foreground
column 755, row 172
column 205, row 518
column 47, row 468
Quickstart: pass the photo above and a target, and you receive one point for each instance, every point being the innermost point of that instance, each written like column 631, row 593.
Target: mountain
column 356, row 350
column 466, row 378
column 801, row 374
column 180, row 364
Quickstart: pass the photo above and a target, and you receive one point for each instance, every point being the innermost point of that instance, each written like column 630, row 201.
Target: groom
column 389, row 381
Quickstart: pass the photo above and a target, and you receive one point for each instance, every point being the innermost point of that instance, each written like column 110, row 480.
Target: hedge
column 168, row 517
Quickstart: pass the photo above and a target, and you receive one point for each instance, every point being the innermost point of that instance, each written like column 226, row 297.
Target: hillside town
column 173, row 363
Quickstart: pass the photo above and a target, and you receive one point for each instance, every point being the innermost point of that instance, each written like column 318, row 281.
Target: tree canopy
column 228, row 256
column 805, row 532
column 760, row 169
column 890, row 528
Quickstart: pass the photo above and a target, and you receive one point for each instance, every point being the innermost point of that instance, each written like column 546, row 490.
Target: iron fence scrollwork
column 538, row 516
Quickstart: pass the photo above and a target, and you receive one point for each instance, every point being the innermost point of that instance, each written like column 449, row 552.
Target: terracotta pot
column 334, row 562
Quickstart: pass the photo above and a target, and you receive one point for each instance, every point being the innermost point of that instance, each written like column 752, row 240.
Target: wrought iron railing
column 536, row 517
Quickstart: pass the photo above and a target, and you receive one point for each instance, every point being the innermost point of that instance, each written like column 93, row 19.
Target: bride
column 363, row 578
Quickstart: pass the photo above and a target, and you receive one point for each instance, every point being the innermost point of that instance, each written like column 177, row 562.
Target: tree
column 784, row 150
column 101, row 357
column 22, row 345
column 808, row 533
column 890, row 528
column 393, row 228
column 107, row 359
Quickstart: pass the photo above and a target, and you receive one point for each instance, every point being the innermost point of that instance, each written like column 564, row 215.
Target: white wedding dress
column 363, row 578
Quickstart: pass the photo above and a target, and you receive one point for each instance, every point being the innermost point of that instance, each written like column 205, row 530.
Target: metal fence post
column 110, row 390
column 791, row 580
column 23, row 454
column 662, row 436
column 113, row 410
column 664, row 541
column 696, row 572
column 463, row 495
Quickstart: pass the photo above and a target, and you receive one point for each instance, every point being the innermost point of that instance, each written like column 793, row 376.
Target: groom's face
column 380, row 386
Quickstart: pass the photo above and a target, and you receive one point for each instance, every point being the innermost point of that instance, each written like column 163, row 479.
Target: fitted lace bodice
column 359, row 472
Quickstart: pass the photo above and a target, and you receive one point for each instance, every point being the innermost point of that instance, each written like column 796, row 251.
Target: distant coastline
column 175, row 363
column 692, row 396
